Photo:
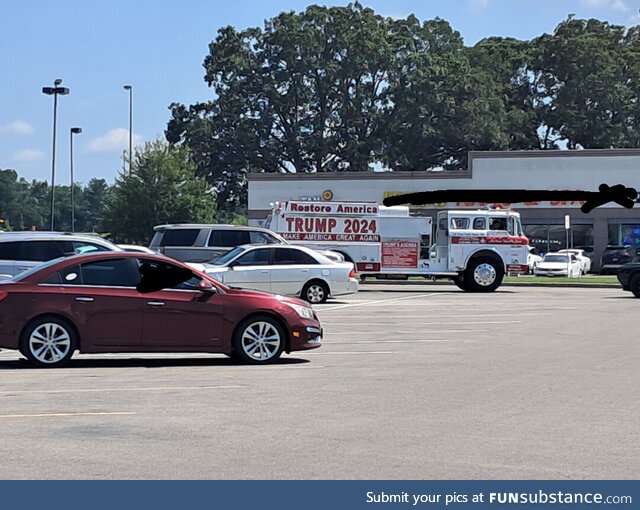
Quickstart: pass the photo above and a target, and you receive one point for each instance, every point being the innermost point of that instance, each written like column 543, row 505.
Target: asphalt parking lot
column 412, row 382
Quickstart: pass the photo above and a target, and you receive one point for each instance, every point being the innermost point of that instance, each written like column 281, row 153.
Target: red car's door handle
column 155, row 303
column 84, row 299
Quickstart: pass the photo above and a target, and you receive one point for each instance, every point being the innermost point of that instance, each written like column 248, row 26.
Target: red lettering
column 298, row 225
column 321, row 224
column 289, row 223
column 332, row 224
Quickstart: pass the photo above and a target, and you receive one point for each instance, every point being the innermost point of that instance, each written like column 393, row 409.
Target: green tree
column 305, row 94
column 90, row 203
column 160, row 189
column 586, row 79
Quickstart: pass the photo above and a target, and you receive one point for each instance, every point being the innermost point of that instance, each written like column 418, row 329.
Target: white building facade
column 585, row 170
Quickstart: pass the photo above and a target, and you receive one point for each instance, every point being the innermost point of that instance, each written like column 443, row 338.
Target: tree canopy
column 345, row 89
column 160, row 189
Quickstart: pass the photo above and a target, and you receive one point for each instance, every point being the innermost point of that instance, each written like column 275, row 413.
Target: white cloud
column 28, row 156
column 17, row 127
column 115, row 140
column 615, row 5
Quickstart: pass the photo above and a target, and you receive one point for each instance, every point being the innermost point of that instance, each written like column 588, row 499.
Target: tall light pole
column 72, row 131
column 130, row 89
column 54, row 91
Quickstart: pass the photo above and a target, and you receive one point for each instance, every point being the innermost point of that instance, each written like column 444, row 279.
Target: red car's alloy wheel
column 259, row 340
column 48, row 342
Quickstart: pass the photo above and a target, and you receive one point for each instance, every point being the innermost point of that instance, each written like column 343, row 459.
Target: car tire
column 634, row 285
column 315, row 292
column 258, row 340
column 484, row 274
column 48, row 342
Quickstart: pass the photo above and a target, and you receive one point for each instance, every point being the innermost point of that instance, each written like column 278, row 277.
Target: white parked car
column 585, row 261
column 285, row 269
column 559, row 264
column 533, row 259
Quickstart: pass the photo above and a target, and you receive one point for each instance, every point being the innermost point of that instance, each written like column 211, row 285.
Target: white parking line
column 332, row 333
column 317, row 353
column 64, row 415
column 386, row 342
column 104, row 390
column 372, row 302
column 431, row 316
column 419, row 325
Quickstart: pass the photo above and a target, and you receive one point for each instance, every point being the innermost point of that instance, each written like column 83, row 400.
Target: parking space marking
column 65, row 415
column 420, row 330
column 103, row 390
column 386, row 342
column 431, row 316
column 317, row 353
column 458, row 323
column 375, row 301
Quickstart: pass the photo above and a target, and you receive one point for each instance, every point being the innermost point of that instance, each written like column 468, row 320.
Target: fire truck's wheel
column 484, row 274
column 315, row 292
column 460, row 283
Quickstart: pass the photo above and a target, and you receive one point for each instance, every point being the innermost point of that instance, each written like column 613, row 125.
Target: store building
column 543, row 221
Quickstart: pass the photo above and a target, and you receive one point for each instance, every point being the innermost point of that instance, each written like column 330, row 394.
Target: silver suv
column 20, row 251
column 203, row 243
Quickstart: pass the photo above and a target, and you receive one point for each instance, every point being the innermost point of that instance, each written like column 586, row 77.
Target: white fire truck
column 474, row 248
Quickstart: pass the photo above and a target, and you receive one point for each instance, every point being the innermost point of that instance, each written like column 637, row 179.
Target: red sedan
column 130, row 302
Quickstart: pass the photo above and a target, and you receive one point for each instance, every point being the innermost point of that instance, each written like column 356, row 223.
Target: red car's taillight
column 3, row 294
column 352, row 273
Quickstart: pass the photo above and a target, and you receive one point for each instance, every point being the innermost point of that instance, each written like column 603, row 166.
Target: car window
column 110, row 273
column 263, row 238
column 284, row 256
column 165, row 276
column 260, row 257
column 226, row 257
column 180, row 237
column 86, row 247
column 555, row 258
column 498, row 224
column 67, row 276
column 462, row 223
column 41, row 251
column 35, row 269
column 229, row 238
column 479, row 224
column 9, row 251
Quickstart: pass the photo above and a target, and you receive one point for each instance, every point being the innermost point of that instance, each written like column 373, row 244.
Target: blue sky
column 158, row 47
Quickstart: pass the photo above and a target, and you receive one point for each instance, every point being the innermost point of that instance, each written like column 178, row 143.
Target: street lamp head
column 57, row 82
column 63, row 91
column 127, row 87
column 76, row 130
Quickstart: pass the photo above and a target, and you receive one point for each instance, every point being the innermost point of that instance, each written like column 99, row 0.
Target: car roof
column 220, row 226
column 51, row 236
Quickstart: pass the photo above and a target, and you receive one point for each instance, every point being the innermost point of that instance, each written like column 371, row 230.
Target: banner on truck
column 398, row 253
column 330, row 228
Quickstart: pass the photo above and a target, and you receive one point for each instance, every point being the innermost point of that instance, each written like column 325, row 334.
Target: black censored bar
column 618, row 193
